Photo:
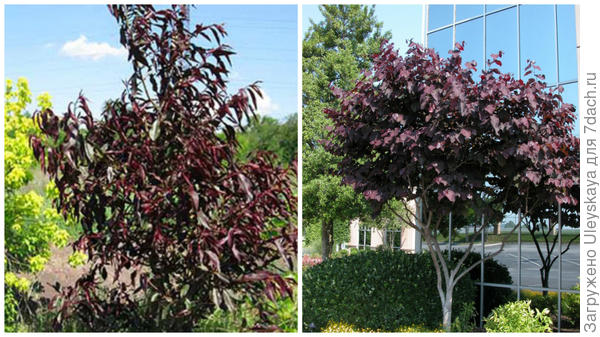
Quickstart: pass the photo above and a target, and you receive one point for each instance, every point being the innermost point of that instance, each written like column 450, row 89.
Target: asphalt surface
column 530, row 263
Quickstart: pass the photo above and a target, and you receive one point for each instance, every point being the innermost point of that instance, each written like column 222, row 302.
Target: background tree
column 159, row 193
column 546, row 223
column 268, row 134
column 31, row 225
column 421, row 128
column 334, row 51
column 542, row 223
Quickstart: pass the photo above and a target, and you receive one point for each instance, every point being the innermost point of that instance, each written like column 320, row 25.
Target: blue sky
column 65, row 49
column 404, row 21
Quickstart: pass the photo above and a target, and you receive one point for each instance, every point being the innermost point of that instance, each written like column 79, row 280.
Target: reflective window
column 567, row 43
column 472, row 33
column 364, row 238
column 501, row 35
column 394, row 239
column 491, row 8
column 537, row 39
column 468, row 11
column 570, row 95
column 508, row 257
column 441, row 41
column 440, row 15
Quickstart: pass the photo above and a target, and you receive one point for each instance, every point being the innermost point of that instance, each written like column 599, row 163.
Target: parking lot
column 530, row 263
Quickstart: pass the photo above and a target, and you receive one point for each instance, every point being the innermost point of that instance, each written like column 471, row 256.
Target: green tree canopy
column 268, row 134
column 31, row 225
column 334, row 51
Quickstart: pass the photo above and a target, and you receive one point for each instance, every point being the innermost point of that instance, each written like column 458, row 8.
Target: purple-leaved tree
column 421, row 129
column 161, row 198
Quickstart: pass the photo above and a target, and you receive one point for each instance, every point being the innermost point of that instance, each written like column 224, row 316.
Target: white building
column 404, row 238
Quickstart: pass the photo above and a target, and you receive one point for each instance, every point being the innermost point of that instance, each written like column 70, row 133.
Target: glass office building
column 546, row 34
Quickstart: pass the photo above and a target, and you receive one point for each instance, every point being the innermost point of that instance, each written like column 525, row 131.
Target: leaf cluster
column 518, row 317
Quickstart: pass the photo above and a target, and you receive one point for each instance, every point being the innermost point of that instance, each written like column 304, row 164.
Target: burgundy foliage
column 163, row 204
column 422, row 126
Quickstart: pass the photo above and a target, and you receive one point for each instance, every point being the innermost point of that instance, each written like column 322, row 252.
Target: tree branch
column 469, row 248
column 564, row 251
column 491, row 255
column 537, row 245
column 437, row 271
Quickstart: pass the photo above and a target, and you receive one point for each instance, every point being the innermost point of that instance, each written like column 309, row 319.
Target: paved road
column 530, row 263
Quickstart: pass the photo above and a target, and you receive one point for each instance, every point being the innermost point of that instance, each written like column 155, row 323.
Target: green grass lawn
column 513, row 238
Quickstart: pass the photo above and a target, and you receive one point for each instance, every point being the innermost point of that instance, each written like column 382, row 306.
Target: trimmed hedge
column 494, row 272
column 377, row 290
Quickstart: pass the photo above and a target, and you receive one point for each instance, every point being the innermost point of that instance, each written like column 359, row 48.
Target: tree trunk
column 545, row 273
column 497, row 228
column 326, row 239
column 447, row 312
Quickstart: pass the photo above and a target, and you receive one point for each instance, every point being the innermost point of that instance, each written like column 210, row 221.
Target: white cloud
column 266, row 105
column 90, row 50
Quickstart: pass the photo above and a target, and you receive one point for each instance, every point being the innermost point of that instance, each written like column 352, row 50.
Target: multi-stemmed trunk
column 447, row 278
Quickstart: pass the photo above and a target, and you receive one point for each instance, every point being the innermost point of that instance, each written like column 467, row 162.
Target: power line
column 109, row 87
column 265, row 60
column 238, row 48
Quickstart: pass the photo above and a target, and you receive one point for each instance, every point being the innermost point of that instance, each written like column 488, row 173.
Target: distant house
column 399, row 238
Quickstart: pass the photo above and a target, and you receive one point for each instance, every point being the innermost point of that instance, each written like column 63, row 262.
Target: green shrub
column 417, row 328
column 464, row 319
column 376, row 290
column 246, row 317
column 540, row 301
column 344, row 252
column 344, row 327
column 518, row 316
column 31, row 225
column 570, row 308
column 348, row 328
column 11, row 309
column 570, row 305
column 494, row 272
